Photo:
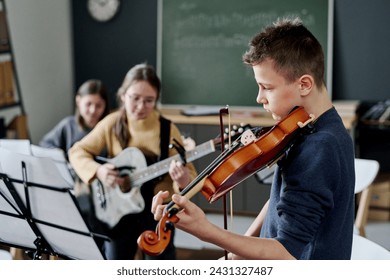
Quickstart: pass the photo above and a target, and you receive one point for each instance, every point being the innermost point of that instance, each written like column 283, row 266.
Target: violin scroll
column 154, row 243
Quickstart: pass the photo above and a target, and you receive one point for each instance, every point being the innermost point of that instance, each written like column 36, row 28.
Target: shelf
column 9, row 106
column 10, row 94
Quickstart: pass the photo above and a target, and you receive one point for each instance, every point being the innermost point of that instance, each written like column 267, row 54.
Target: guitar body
column 110, row 203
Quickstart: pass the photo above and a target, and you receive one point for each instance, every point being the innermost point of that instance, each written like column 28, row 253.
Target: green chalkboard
column 201, row 43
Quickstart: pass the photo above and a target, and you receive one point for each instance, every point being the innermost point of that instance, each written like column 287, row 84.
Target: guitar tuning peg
column 235, row 127
column 226, row 130
column 241, row 130
column 233, row 133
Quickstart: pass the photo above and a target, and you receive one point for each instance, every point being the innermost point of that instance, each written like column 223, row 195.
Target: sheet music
column 39, row 170
column 55, row 154
column 56, row 207
column 21, row 146
column 70, row 244
column 5, row 200
column 53, row 208
column 13, row 230
column 16, row 231
column 63, row 226
column 58, row 156
column 5, row 196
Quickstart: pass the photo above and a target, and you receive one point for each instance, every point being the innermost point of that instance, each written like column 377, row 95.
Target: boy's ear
column 306, row 84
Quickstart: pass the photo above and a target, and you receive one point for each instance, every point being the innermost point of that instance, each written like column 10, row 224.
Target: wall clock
column 103, row 10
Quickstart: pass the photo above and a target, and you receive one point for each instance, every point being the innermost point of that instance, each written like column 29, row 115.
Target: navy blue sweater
column 311, row 209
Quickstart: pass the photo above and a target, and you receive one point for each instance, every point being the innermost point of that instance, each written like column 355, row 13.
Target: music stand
column 58, row 156
column 38, row 211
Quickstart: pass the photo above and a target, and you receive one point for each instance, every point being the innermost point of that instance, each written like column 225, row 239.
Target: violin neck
column 193, row 188
column 196, row 185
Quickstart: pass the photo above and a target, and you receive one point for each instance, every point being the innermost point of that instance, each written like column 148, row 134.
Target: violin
column 248, row 154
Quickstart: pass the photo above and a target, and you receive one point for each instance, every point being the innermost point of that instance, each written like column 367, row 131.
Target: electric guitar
column 111, row 204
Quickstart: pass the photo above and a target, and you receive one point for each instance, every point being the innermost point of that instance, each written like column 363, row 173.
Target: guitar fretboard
column 162, row 167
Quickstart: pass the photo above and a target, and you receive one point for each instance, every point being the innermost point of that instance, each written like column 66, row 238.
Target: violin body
column 230, row 168
column 254, row 156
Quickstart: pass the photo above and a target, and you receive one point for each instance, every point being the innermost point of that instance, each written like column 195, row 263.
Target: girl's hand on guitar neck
column 188, row 143
column 179, row 173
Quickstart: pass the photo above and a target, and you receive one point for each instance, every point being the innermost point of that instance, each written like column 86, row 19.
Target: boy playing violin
column 310, row 212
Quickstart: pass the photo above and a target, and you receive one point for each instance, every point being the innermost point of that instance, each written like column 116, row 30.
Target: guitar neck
column 157, row 169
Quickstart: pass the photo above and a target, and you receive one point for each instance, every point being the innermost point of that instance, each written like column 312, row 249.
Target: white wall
column 42, row 44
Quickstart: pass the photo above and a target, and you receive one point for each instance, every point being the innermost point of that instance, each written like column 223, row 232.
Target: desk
column 249, row 116
column 254, row 116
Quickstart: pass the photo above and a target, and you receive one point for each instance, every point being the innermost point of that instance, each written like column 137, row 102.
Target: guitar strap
column 165, row 135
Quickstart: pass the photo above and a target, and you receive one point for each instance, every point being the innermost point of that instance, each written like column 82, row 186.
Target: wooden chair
column 366, row 171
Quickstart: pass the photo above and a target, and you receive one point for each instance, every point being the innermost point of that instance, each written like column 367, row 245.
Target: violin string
column 231, row 191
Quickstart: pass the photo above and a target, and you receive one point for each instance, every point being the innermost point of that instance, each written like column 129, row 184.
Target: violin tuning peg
column 169, row 226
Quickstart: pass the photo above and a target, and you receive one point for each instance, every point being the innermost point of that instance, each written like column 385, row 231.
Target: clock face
column 103, row 10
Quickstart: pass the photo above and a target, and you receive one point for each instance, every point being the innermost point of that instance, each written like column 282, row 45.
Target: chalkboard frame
column 167, row 92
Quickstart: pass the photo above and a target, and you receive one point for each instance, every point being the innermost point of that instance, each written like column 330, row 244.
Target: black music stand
column 42, row 218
